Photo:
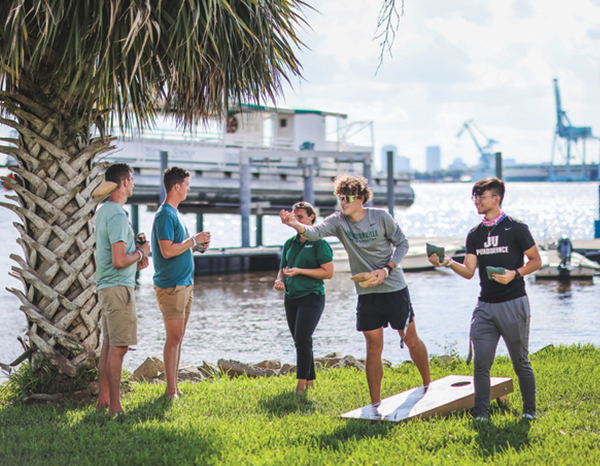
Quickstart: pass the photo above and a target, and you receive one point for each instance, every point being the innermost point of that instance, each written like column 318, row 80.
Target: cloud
column 522, row 8
column 489, row 61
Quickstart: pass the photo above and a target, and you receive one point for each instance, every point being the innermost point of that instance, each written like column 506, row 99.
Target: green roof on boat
column 299, row 111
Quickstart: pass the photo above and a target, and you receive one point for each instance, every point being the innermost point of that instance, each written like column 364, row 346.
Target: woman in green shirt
column 304, row 266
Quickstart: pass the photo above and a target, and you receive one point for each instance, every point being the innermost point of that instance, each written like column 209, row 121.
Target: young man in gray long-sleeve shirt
column 375, row 243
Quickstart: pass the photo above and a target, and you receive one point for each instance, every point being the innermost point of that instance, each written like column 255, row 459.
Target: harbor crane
column 571, row 134
column 487, row 160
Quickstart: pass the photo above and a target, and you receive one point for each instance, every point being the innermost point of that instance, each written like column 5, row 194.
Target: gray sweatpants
column 511, row 321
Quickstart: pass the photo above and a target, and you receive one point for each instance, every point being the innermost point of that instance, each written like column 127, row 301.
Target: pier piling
column 164, row 164
column 309, row 174
column 597, row 222
column 245, row 197
column 390, row 182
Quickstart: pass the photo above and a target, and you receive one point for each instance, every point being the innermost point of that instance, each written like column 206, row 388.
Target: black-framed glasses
column 479, row 197
column 346, row 198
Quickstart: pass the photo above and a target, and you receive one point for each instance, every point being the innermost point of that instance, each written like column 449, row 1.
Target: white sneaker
column 528, row 417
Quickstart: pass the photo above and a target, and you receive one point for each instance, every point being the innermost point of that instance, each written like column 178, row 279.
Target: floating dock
column 237, row 260
column 267, row 258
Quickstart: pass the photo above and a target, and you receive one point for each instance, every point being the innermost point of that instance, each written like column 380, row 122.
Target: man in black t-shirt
column 503, row 306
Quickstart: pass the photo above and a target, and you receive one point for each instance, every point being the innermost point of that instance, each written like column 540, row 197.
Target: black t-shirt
column 502, row 245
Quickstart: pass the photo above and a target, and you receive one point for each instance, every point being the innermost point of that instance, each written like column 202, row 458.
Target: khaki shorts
column 175, row 302
column 119, row 317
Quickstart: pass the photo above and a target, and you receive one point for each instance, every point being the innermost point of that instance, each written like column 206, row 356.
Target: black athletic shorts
column 376, row 310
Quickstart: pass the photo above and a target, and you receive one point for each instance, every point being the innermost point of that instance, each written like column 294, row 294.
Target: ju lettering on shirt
column 179, row 270
column 502, row 245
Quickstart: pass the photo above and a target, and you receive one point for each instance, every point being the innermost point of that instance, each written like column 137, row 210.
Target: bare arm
column 382, row 274
column 170, row 249
column 324, row 272
column 122, row 260
column 534, row 262
column 288, row 218
column 465, row 270
column 280, row 281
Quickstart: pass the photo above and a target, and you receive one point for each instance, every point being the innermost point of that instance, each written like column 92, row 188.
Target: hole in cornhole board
column 461, row 384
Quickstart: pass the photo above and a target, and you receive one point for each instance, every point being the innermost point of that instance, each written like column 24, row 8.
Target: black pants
column 303, row 315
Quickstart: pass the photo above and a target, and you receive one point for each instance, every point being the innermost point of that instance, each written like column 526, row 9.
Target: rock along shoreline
column 152, row 369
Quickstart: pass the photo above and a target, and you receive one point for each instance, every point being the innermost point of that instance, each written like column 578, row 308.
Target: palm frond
column 194, row 56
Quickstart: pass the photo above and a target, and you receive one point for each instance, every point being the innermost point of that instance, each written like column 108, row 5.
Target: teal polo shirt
column 304, row 255
column 112, row 226
column 179, row 270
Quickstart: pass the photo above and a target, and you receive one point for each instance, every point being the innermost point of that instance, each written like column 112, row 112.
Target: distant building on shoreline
column 433, row 159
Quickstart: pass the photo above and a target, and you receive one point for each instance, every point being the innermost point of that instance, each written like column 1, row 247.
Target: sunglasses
column 345, row 198
column 480, row 197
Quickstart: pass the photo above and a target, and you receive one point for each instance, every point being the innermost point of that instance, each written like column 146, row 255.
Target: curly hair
column 351, row 185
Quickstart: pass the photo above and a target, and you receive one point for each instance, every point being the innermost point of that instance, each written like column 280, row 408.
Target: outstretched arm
column 465, row 270
column 288, row 218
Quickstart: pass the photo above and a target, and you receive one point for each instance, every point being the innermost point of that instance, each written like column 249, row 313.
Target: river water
column 241, row 317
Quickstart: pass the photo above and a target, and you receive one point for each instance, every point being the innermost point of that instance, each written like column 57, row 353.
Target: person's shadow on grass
column 355, row 429
column 493, row 439
column 288, row 403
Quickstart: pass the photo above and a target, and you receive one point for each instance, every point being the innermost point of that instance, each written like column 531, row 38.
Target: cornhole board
column 452, row 393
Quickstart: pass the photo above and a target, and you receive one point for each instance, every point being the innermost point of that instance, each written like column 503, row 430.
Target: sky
column 489, row 61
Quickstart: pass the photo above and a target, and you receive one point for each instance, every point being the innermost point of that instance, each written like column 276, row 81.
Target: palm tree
column 72, row 69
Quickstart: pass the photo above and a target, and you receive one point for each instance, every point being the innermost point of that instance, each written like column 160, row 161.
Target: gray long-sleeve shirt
column 370, row 243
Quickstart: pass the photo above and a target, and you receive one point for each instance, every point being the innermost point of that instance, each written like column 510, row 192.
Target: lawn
column 261, row 421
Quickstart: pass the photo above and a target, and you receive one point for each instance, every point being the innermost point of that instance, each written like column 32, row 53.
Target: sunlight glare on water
column 241, row 316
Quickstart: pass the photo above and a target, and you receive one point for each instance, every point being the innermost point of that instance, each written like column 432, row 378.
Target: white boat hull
column 580, row 266
column 415, row 260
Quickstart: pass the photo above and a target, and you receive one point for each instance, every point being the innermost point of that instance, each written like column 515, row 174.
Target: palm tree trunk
column 56, row 176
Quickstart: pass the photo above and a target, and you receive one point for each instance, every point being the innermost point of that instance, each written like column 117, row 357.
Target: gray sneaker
column 528, row 417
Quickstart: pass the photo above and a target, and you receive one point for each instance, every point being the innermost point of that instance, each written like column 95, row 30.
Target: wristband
column 141, row 254
column 389, row 268
column 193, row 238
column 387, row 272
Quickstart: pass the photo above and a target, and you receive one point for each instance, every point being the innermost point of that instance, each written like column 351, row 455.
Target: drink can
column 140, row 238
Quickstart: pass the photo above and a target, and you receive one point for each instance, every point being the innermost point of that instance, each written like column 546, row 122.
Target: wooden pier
column 268, row 160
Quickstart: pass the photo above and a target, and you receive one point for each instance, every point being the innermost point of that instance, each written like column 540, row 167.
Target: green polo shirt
column 304, row 255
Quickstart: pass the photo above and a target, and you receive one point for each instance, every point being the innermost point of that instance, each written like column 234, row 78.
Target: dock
column 237, row 260
column 267, row 258
column 259, row 161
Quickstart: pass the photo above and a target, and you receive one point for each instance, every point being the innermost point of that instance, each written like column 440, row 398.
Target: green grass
column 260, row 421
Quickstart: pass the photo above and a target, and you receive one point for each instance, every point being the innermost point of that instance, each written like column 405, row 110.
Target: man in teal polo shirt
column 174, row 269
column 117, row 260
